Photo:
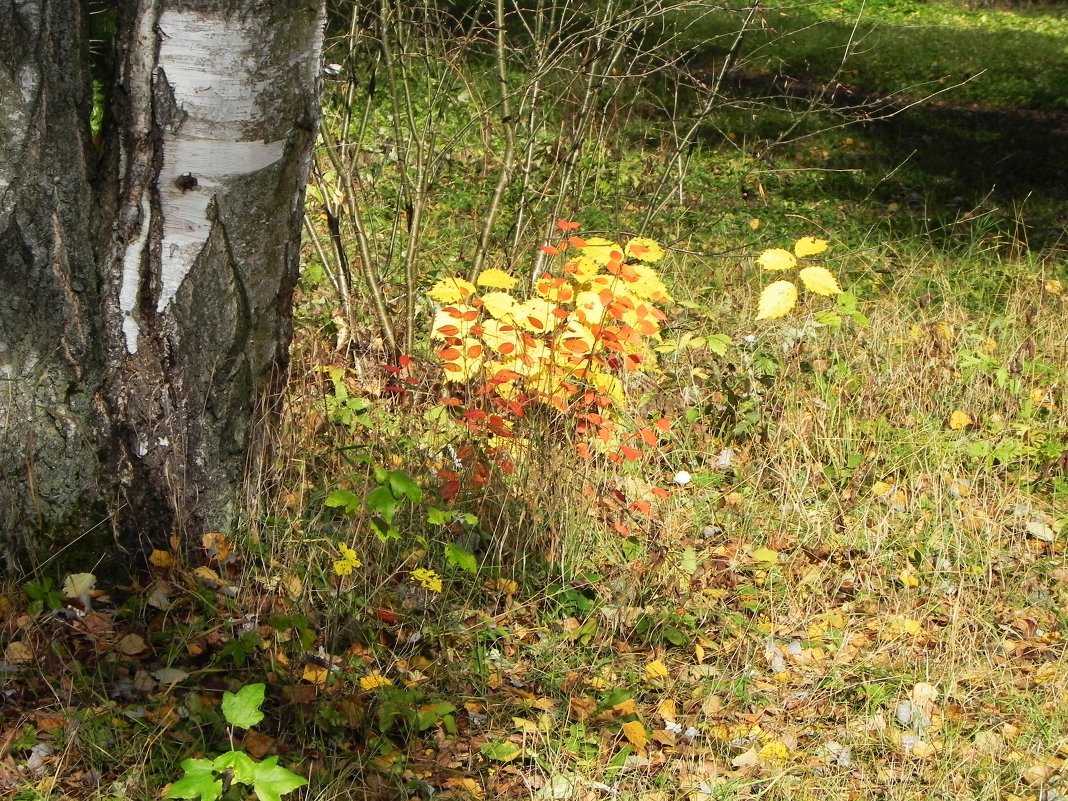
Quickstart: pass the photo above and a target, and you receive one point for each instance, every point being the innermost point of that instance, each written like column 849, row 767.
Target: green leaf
column 345, row 500
column 718, row 344
column 403, row 486
column 438, row 517
column 499, row 751
column 458, row 557
column 831, row 319
column 199, row 781
column 430, row 714
column 272, row 781
column 242, row 709
column 382, row 502
column 242, row 765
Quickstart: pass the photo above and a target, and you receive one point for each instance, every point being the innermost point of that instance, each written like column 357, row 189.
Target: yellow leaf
column 499, row 305
column 600, row 250
column 880, row 489
column 315, row 674
column 765, row 555
column 373, row 681
column 754, row 224
column 644, row 250
column 536, row 314
column 667, row 709
column 809, row 246
column 773, row 753
column 634, row 731
column 908, row 578
column 495, row 278
column 777, row 260
column 216, row 545
column 161, row 559
column 525, row 726
column 77, row 584
column 451, row 290
column 959, row 420
column 454, row 321
column 17, row 653
column 656, row 670
column 819, row 280
column 776, row 300
column 1054, row 287
column 628, row 706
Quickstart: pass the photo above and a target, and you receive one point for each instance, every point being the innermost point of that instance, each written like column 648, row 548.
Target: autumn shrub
column 558, row 356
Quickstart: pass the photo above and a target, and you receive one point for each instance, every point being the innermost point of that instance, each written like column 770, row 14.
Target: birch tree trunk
column 146, row 274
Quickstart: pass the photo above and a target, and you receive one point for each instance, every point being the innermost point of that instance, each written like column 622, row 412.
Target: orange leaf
column 576, row 242
column 647, row 436
column 642, row 507
column 567, row 225
column 550, row 250
column 664, row 424
column 629, row 453
column 660, row 492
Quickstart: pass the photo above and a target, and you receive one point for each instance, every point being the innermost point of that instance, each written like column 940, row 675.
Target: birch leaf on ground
column 819, row 280
column 776, row 300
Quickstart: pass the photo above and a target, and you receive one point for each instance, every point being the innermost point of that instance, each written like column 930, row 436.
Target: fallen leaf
column 765, row 555
column 315, row 674
column 17, row 653
column 78, row 584
column 959, row 420
column 258, row 745
column 656, row 670
column 747, row 759
column 161, row 559
column 131, row 645
column 634, row 731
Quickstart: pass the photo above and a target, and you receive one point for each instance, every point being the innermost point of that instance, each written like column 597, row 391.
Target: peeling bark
column 145, row 289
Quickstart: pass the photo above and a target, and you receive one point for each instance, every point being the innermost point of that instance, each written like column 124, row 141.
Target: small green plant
column 212, row 779
column 43, row 595
column 382, row 502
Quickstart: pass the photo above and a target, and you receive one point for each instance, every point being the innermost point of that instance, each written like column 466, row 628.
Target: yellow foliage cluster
column 575, row 333
column 779, row 297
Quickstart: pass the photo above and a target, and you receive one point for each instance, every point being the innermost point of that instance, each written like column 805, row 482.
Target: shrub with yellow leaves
column 567, row 346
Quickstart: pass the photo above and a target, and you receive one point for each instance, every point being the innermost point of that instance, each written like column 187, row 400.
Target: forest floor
column 839, row 572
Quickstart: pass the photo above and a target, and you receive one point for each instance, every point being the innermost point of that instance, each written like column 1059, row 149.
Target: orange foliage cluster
column 566, row 346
